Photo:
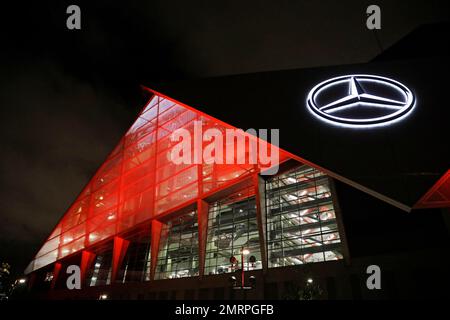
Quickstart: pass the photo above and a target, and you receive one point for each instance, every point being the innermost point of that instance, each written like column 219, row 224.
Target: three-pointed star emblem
column 357, row 95
column 394, row 101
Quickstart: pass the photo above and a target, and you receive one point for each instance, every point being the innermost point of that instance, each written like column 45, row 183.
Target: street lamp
column 103, row 296
column 233, row 281
column 244, row 252
column 234, row 261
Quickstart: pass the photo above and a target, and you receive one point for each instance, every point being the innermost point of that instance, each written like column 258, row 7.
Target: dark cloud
column 66, row 97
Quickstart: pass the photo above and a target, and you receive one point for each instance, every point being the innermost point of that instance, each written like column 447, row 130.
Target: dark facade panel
column 401, row 161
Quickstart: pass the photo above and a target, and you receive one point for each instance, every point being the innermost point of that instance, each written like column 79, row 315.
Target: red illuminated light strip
column 444, row 194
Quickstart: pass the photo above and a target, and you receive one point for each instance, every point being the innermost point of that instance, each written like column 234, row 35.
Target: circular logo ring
column 336, row 111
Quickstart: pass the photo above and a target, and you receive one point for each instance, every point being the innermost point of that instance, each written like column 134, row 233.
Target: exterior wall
column 153, row 254
column 140, row 181
column 402, row 277
column 421, row 274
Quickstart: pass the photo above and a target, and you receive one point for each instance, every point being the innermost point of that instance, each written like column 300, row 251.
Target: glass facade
column 232, row 226
column 138, row 181
column 101, row 270
column 300, row 225
column 178, row 253
column 111, row 220
column 301, row 221
column 136, row 262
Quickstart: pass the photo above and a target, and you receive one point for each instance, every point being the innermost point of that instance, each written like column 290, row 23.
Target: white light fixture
column 68, row 239
column 292, row 197
column 350, row 109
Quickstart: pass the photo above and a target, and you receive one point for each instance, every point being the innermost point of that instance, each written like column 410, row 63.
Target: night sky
column 67, row 96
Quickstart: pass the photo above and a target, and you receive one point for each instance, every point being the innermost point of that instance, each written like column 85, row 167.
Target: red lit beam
column 438, row 196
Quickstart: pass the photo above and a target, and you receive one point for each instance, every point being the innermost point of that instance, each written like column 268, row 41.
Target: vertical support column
column 87, row 258
column 154, row 246
column 56, row 270
column 120, row 248
column 339, row 222
column 202, row 216
column 260, row 196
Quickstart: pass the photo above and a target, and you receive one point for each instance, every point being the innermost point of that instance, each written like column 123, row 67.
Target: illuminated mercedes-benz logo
column 360, row 100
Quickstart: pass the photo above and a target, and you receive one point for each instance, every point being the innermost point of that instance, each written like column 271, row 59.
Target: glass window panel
column 178, row 254
column 232, row 226
column 301, row 223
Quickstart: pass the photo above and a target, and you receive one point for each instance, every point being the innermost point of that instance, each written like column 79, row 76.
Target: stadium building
column 363, row 179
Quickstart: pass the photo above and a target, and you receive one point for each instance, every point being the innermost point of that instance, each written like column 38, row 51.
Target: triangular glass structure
column 138, row 182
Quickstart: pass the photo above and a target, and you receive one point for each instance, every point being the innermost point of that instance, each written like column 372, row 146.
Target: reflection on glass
column 231, row 226
column 301, row 222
